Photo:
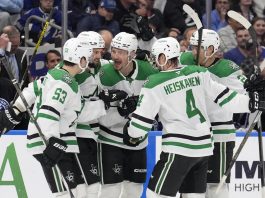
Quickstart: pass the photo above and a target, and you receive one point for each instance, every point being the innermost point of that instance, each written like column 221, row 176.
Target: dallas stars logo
column 94, row 169
column 117, row 169
column 70, row 176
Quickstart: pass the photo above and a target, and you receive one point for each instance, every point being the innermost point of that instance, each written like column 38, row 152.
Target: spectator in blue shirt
column 9, row 12
column 36, row 27
column 102, row 19
column 218, row 15
column 244, row 48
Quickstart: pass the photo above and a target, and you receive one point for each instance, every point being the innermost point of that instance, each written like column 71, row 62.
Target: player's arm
column 12, row 116
column 231, row 100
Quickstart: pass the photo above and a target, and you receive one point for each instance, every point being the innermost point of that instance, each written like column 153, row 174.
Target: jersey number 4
column 59, row 95
column 191, row 108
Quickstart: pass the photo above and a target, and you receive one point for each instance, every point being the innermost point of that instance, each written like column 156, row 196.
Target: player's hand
column 127, row 139
column 128, row 106
column 4, row 41
column 109, row 96
column 257, row 101
column 54, row 151
column 8, row 120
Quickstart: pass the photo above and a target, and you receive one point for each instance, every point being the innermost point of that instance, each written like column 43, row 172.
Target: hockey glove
column 9, row 119
column 257, row 101
column 128, row 106
column 54, row 151
column 109, row 96
column 254, row 85
column 139, row 25
column 127, row 139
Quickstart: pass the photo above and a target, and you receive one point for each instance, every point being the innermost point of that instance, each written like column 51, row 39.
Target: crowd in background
column 109, row 17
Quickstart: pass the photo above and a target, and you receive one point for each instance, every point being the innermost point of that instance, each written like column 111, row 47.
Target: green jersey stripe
column 43, row 115
column 31, row 145
column 100, row 137
column 229, row 98
column 83, row 126
column 35, row 88
column 146, row 129
column 71, row 142
column 189, row 146
column 224, row 131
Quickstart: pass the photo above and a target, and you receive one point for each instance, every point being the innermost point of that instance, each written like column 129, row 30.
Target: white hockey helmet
column 125, row 41
column 74, row 49
column 209, row 37
column 94, row 39
column 168, row 46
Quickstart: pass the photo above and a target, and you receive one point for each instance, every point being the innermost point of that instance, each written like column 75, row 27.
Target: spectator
column 244, row 48
column 185, row 42
column 176, row 17
column 29, row 4
column 155, row 17
column 78, row 10
column 107, row 37
column 52, row 58
column 259, row 26
column 124, row 8
column 18, row 66
column 244, row 7
column 9, row 12
column 218, row 15
column 36, row 27
column 8, row 91
column 102, row 19
column 228, row 34
column 259, row 7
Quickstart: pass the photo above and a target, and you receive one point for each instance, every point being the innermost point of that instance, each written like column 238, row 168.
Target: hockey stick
column 228, row 170
column 16, row 85
column 243, row 21
column 261, row 157
column 47, row 22
column 199, row 27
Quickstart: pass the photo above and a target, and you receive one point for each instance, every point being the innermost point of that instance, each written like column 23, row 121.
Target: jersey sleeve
column 49, row 113
column 92, row 110
column 144, row 115
column 223, row 96
column 30, row 93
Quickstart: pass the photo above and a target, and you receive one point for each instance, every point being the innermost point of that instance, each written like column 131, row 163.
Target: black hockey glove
column 54, row 151
column 142, row 55
column 139, row 25
column 257, row 101
column 109, row 96
column 9, row 119
column 127, row 139
column 255, row 85
column 128, row 106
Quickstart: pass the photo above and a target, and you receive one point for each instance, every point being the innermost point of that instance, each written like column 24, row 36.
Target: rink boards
column 21, row 175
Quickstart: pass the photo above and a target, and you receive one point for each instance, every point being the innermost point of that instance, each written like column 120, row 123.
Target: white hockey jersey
column 58, row 105
column 229, row 74
column 180, row 97
column 111, row 125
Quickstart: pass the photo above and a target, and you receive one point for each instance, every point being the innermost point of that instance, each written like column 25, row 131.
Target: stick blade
column 239, row 18
column 193, row 15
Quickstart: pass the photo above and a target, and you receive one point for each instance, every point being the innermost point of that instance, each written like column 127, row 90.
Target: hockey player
column 120, row 164
column 86, row 137
column 58, row 106
column 180, row 96
column 229, row 74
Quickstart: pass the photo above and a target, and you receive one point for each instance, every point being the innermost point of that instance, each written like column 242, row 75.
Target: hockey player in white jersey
column 180, row 96
column 229, row 74
column 86, row 137
column 120, row 164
